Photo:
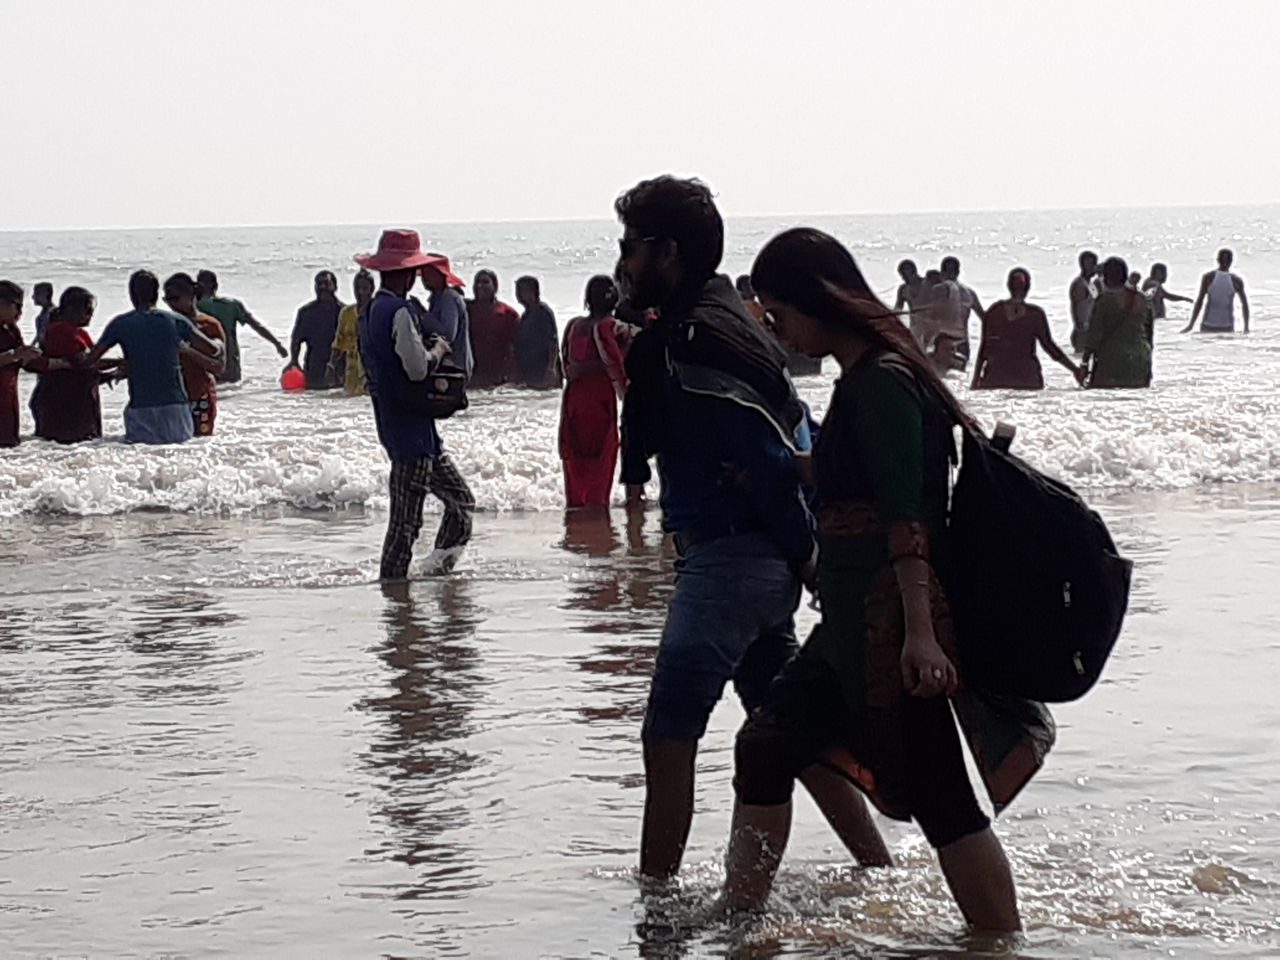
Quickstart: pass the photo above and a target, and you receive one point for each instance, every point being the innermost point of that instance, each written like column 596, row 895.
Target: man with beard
column 711, row 400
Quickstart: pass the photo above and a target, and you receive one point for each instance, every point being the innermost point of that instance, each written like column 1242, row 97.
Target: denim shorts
column 731, row 618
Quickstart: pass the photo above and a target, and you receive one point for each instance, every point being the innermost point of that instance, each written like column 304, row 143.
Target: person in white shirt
column 1218, row 291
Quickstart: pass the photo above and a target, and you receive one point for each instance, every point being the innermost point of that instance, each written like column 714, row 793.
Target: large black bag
column 439, row 396
column 1036, row 587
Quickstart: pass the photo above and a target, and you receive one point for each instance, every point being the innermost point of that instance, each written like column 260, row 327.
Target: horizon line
column 572, row 219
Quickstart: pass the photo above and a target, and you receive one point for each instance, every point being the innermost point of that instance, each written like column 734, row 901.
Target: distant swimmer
column 231, row 314
column 198, row 370
column 1010, row 331
column 913, row 295
column 958, row 303
column 315, row 327
column 1082, row 294
column 927, row 322
column 42, row 297
column 1220, row 288
column 1117, row 347
column 1135, row 280
column 1153, row 288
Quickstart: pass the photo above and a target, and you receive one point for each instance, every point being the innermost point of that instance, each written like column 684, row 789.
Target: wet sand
column 223, row 740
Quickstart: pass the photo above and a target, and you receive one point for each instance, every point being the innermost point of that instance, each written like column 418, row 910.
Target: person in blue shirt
column 537, row 347
column 152, row 341
column 397, row 357
column 710, row 398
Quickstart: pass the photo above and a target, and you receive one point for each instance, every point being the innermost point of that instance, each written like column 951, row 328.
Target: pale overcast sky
column 134, row 112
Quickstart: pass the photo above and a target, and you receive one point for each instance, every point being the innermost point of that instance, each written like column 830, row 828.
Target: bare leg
column 756, row 842
column 978, row 874
column 846, row 810
column 668, row 805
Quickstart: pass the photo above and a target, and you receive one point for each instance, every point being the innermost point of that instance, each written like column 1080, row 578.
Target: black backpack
column 1036, row 587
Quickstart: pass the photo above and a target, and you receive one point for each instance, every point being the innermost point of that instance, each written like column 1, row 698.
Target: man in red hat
column 397, row 355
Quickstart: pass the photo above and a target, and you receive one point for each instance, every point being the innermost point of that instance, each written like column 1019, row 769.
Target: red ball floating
column 293, row 379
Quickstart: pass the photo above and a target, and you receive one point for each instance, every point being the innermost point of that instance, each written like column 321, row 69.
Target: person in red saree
column 592, row 356
column 494, row 327
column 1010, row 331
column 65, row 402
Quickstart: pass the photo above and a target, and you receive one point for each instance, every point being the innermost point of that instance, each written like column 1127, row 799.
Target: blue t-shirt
column 150, row 341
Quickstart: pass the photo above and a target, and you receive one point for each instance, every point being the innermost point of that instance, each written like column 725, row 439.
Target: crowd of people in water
column 759, row 498
column 1113, row 313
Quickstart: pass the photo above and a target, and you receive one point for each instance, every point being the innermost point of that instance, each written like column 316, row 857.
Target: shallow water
column 224, row 740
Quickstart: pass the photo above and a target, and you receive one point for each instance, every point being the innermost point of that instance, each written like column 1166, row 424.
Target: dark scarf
column 705, row 336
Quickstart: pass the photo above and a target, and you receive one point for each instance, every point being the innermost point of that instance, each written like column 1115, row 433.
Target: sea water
column 223, row 739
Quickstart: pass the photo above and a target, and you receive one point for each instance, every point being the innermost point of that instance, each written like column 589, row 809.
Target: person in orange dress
column 198, row 370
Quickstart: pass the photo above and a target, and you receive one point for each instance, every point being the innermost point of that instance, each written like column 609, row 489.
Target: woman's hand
column 926, row 670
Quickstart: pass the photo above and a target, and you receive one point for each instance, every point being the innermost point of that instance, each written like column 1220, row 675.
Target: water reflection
column 416, row 751
column 623, row 590
column 175, row 635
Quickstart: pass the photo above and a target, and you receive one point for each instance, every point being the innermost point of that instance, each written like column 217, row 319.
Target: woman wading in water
column 868, row 693
column 1118, row 345
column 594, row 383
column 1010, row 331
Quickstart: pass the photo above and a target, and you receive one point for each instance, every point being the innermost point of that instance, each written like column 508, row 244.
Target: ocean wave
column 321, row 452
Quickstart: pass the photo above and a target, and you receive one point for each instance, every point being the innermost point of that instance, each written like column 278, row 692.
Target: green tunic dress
column 1120, row 337
column 882, row 473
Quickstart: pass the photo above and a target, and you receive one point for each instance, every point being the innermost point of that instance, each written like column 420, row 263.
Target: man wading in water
column 395, row 356
column 711, row 399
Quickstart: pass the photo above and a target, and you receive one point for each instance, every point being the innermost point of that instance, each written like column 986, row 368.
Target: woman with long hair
column 592, row 357
column 1118, row 344
column 868, row 693
column 1010, row 331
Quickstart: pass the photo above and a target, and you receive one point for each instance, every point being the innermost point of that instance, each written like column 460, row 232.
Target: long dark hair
column 1115, row 273
column 76, row 304
column 813, row 272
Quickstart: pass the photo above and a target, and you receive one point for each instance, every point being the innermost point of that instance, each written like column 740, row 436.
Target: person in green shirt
column 231, row 313
column 1119, row 341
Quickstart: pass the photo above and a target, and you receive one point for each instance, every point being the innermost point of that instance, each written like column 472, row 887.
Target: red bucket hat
column 397, row 250
column 440, row 262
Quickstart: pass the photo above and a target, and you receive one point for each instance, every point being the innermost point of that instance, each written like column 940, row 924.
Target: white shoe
column 440, row 562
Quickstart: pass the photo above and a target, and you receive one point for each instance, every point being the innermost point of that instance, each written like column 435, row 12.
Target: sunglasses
column 627, row 247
